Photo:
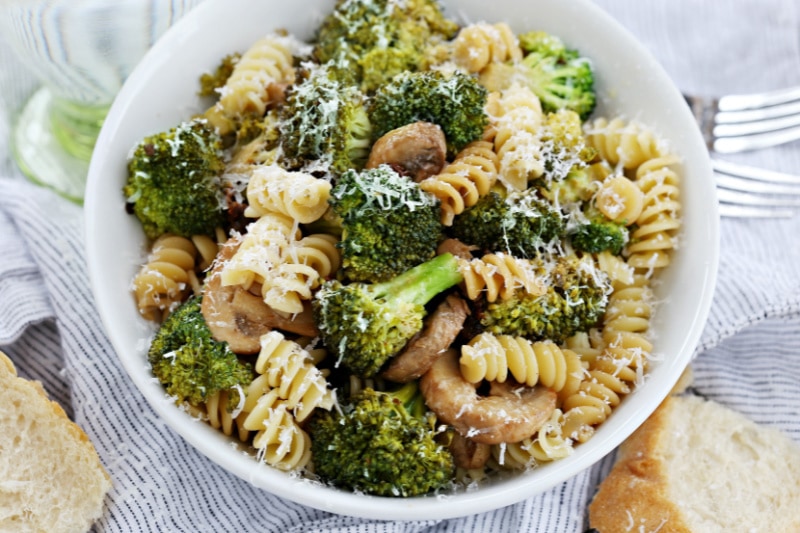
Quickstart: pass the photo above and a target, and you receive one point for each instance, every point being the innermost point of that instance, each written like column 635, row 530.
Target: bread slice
column 51, row 479
column 697, row 466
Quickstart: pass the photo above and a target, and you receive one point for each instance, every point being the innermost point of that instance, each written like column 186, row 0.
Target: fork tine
column 760, row 113
column 729, row 145
column 753, row 173
column 759, row 126
column 745, row 211
column 736, row 102
column 745, row 191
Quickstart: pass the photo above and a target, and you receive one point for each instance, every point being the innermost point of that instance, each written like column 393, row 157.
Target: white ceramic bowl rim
column 161, row 92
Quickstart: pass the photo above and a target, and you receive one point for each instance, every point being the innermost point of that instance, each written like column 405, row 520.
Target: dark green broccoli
column 210, row 82
column 382, row 443
column 389, row 224
column 575, row 299
column 370, row 41
column 560, row 77
column 598, row 234
column 190, row 364
column 324, row 125
column 366, row 324
column 455, row 102
column 174, row 181
column 520, row 224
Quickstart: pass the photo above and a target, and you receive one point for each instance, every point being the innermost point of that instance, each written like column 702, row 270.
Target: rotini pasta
column 516, row 116
column 272, row 189
column 494, row 357
column 266, row 62
column 548, row 444
column 478, row 45
column 290, row 370
column 280, row 441
column 627, row 144
column 654, row 238
column 461, row 183
column 168, row 276
column 498, row 276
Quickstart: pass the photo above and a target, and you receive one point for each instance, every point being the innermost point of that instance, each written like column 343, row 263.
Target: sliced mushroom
column 467, row 453
column 417, row 150
column 239, row 317
column 441, row 329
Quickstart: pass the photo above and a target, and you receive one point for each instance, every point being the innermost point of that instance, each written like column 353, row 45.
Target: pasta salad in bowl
column 413, row 259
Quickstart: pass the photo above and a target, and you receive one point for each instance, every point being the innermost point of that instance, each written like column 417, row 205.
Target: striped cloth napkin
column 748, row 358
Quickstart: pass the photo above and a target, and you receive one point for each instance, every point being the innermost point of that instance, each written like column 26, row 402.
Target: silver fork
column 741, row 122
column 745, row 191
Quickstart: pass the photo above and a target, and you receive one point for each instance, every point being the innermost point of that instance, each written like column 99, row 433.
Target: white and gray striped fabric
column 748, row 358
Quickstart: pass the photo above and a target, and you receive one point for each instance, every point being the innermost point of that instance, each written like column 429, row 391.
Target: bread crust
column 697, row 466
column 633, row 497
column 50, row 474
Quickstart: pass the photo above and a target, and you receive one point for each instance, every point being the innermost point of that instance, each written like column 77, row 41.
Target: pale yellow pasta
column 548, row 444
column 267, row 61
column 461, row 183
column 303, row 265
column 654, row 237
column 516, row 116
column 620, row 200
column 478, row 45
column 499, row 276
column 615, row 267
column 291, row 371
column 280, row 441
column 221, row 417
column 591, row 405
column 498, row 357
column 168, row 276
column 627, row 144
column 272, row 189
column 260, row 249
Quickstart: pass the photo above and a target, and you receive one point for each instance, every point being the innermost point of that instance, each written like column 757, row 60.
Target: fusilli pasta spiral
column 516, row 116
column 280, row 441
column 654, row 238
column 267, row 61
column 492, row 358
column 295, row 194
column 168, row 276
column 290, row 371
column 623, row 143
column 461, row 183
column 498, row 275
column 548, row 444
column 478, row 45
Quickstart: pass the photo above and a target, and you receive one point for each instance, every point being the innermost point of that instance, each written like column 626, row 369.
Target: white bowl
column 161, row 92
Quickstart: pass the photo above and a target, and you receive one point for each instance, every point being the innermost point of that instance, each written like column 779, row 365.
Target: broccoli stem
column 421, row 283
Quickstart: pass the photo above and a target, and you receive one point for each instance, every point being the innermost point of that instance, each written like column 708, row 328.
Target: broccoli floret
column 324, row 125
column 577, row 186
column 564, row 144
column 381, row 443
column 389, row 224
column 520, row 224
column 560, row 77
column 370, row 41
column 366, row 324
column 211, row 81
column 598, row 234
column 575, row 299
column 453, row 101
column 173, row 181
column 190, row 364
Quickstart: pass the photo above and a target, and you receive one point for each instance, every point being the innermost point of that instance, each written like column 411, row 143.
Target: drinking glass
column 82, row 51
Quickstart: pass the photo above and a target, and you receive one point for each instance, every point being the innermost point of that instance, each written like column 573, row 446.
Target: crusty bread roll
column 51, row 479
column 697, row 466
